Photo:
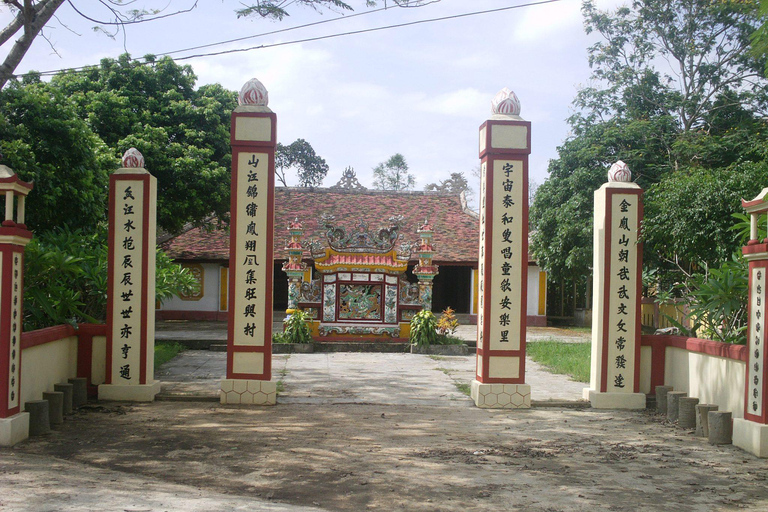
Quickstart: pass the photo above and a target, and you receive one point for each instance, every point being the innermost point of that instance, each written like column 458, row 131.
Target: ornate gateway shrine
column 360, row 288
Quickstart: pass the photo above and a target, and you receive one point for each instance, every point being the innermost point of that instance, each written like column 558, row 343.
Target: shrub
column 423, row 328
column 296, row 329
column 447, row 324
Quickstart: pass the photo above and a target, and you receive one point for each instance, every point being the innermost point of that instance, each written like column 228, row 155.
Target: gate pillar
column 505, row 143
column 249, row 332
column 14, row 236
column 617, row 285
column 130, row 368
column 751, row 432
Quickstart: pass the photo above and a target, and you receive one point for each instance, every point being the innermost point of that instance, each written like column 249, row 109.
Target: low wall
column 54, row 354
column 711, row 371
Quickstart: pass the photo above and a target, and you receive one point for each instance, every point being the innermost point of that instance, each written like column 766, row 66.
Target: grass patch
column 564, row 358
column 165, row 351
column 463, row 387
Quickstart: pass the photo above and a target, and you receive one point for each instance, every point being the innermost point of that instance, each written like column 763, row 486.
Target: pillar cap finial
column 505, row 102
column 619, row 172
column 133, row 159
column 253, row 93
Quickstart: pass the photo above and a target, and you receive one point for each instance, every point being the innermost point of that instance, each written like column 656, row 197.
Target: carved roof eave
column 392, row 264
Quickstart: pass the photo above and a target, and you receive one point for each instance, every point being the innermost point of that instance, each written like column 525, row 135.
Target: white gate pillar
column 617, row 285
column 505, row 143
column 249, row 334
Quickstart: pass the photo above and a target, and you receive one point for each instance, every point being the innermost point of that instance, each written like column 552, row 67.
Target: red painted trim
column 487, row 268
column 610, row 192
column 272, row 143
column 86, row 333
column 708, row 347
column 110, row 278
column 761, row 418
column 145, row 301
column 268, row 147
column 504, row 152
column 47, row 335
column 5, row 333
column 757, row 247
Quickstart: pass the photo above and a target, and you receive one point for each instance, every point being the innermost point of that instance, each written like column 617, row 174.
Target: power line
column 317, row 38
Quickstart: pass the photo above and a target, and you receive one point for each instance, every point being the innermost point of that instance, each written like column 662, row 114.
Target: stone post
column 751, row 432
column 425, row 270
column 505, row 143
column 130, row 368
column 249, row 336
column 14, row 236
column 294, row 267
column 617, row 285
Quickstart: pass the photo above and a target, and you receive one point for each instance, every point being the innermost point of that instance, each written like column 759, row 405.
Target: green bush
column 65, row 280
column 296, row 329
column 423, row 328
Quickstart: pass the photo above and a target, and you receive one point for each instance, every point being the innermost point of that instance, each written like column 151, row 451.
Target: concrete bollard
column 55, row 407
column 661, row 398
column 702, row 425
column 673, row 404
column 720, row 427
column 39, row 422
column 79, row 391
column 66, row 388
column 686, row 416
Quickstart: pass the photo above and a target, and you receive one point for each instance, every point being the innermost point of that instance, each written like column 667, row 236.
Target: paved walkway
column 374, row 378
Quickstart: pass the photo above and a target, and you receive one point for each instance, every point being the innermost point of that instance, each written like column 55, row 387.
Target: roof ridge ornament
column 348, row 181
column 361, row 239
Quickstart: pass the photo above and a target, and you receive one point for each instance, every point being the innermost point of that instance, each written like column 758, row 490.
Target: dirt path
column 354, row 457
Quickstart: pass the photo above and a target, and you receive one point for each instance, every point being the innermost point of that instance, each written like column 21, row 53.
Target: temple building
column 371, row 242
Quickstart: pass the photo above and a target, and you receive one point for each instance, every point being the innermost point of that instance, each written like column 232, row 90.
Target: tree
column 43, row 139
column 705, row 44
column 30, row 16
column 182, row 132
column 393, row 174
column 456, row 184
column 300, row 155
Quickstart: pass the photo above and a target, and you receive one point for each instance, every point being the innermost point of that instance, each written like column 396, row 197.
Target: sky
column 421, row 90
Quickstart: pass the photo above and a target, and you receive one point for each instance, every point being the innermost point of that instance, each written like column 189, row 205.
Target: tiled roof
column 455, row 229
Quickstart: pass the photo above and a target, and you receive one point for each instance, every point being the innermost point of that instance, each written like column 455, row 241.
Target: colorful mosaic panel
column 329, row 303
column 360, row 302
column 390, row 308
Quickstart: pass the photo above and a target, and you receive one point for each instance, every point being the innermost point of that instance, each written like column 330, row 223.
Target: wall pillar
column 14, row 236
column 294, row 267
column 505, row 143
column 130, row 368
column 249, row 336
column 751, row 432
column 617, row 285
column 425, row 270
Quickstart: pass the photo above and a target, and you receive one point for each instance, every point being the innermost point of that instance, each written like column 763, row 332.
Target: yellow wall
column 43, row 366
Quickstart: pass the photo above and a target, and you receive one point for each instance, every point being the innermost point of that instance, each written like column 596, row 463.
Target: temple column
column 751, row 432
column 425, row 270
column 249, row 335
column 294, row 267
column 505, row 143
column 130, row 373
column 14, row 236
column 617, row 285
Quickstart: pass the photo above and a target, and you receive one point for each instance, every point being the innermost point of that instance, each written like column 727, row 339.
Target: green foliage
column 182, row 132
column 296, row 329
column 65, row 278
column 689, row 215
column 393, row 174
column 165, row 351
column 423, row 328
column 43, row 139
column 300, row 155
column 571, row 359
column 719, row 301
column 274, row 9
